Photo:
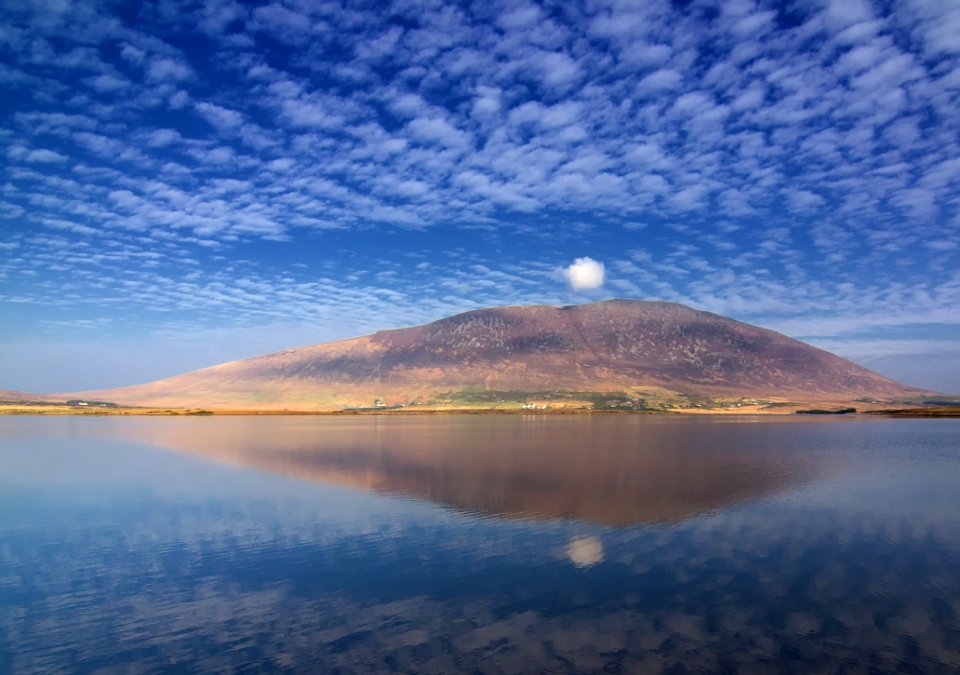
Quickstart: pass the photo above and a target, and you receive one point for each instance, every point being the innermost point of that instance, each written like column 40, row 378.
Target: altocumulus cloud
column 584, row 274
column 232, row 165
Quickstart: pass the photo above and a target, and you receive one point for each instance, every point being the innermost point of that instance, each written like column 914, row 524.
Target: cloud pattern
column 186, row 167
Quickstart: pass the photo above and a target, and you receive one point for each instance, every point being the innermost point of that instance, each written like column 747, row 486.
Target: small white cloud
column 168, row 70
column 159, row 138
column 518, row 19
column 436, row 130
column 45, row 156
column 178, row 100
column 558, row 70
column 108, row 84
column 660, row 81
column 223, row 119
column 487, row 102
column 281, row 21
column 300, row 113
column 281, row 165
column 584, row 274
column 133, row 54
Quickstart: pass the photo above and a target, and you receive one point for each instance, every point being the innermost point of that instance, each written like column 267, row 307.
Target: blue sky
column 185, row 183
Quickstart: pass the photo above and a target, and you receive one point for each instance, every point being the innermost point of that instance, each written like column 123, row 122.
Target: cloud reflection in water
column 820, row 545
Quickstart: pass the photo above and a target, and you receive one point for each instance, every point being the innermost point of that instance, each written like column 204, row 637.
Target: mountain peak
column 615, row 345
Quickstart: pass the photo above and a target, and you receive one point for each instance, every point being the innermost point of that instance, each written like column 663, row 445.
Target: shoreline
column 13, row 409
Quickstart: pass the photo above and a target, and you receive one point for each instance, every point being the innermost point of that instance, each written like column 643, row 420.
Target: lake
column 479, row 543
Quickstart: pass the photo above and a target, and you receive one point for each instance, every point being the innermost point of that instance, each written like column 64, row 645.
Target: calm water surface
column 486, row 544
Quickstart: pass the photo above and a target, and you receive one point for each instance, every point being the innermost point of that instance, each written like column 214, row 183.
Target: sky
column 186, row 183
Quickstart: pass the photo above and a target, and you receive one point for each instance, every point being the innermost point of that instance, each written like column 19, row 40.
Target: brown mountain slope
column 16, row 396
column 614, row 345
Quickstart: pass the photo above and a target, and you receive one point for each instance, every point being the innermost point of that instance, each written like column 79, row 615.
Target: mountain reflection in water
column 611, row 471
column 818, row 545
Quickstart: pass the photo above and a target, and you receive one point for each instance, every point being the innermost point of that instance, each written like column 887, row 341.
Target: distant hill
column 14, row 396
column 501, row 354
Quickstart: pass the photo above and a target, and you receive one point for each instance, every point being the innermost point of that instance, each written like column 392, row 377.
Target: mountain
column 655, row 349
column 15, row 396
